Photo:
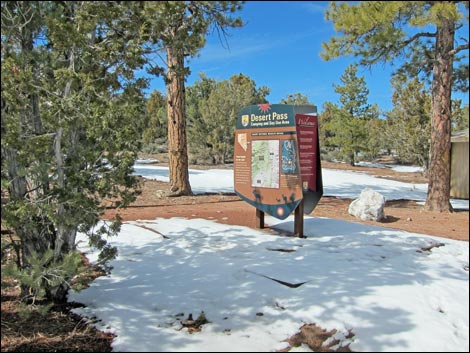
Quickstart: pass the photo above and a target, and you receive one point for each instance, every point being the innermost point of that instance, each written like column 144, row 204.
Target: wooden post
column 259, row 219
column 299, row 220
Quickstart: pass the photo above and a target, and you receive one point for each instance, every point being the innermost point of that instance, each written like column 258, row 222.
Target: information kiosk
column 277, row 166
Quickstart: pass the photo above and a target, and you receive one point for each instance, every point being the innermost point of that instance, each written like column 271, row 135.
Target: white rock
column 369, row 206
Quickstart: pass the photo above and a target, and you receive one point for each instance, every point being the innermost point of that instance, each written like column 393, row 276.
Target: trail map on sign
column 289, row 157
column 265, row 164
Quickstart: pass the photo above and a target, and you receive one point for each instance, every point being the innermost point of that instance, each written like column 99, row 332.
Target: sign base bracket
column 298, row 220
column 259, row 219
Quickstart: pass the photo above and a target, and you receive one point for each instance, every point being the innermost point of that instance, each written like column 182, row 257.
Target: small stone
column 160, row 194
column 409, row 219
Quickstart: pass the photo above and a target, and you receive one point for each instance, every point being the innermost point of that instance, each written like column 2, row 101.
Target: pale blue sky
column 279, row 47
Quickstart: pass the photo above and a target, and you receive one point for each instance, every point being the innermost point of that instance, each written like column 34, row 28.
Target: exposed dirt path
column 229, row 209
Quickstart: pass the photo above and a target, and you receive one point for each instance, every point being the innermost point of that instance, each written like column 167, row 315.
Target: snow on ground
column 339, row 183
column 374, row 281
column 377, row 282
column 397, row 168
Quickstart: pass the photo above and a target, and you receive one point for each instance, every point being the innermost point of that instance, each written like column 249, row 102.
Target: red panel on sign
column 307, row 137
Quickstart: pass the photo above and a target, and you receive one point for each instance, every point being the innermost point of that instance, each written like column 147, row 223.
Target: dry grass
column 318, row 339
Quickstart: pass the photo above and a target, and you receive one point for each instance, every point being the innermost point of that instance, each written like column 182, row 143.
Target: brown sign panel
column 267, row 173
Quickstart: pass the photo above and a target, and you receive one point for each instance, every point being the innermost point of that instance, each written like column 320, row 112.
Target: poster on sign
column 269, row 157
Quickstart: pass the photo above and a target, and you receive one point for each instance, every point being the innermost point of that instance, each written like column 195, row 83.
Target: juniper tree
column 69, row 125
column 219, row 114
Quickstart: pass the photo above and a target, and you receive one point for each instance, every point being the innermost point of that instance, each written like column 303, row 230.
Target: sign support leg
column 299, row 220
column 259, row 219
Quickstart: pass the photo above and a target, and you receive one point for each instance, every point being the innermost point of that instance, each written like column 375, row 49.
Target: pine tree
column 375, row 31
column 213, row 112
column 180, row 28
column 378, row 143
column 220, row 112
column 156, row 126
column 350, row 125
column 196, row 98
column 410, row 121
column 329, row 113
column 459, row 115
column 296, row 99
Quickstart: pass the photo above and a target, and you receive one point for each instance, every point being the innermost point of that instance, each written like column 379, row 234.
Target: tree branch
column 459, row 48
column 419, row 35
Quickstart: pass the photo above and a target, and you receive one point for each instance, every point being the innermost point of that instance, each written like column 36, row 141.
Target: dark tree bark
column 177, row 142
column 439, row 175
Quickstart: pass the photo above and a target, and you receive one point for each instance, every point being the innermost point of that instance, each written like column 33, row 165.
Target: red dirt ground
column 229, row 209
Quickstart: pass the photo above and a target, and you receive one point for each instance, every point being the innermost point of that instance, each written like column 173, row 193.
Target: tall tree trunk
column 33, row 239
column 65, row 238
column 352, row 159
column 177, row 143
column 439, row 172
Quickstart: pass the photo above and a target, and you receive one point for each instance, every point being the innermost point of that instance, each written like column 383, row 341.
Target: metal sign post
column 259, row 219
column 299, row 220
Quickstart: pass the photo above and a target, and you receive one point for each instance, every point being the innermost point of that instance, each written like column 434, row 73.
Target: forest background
column 75, row 115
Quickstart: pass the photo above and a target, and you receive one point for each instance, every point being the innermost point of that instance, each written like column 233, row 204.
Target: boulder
column 369, row 206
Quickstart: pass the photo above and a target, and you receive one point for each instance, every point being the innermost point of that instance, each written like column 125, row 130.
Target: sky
column 375, row 282
column 279, row 47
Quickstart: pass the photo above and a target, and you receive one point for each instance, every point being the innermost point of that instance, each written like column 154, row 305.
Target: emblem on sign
column 245, row 120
